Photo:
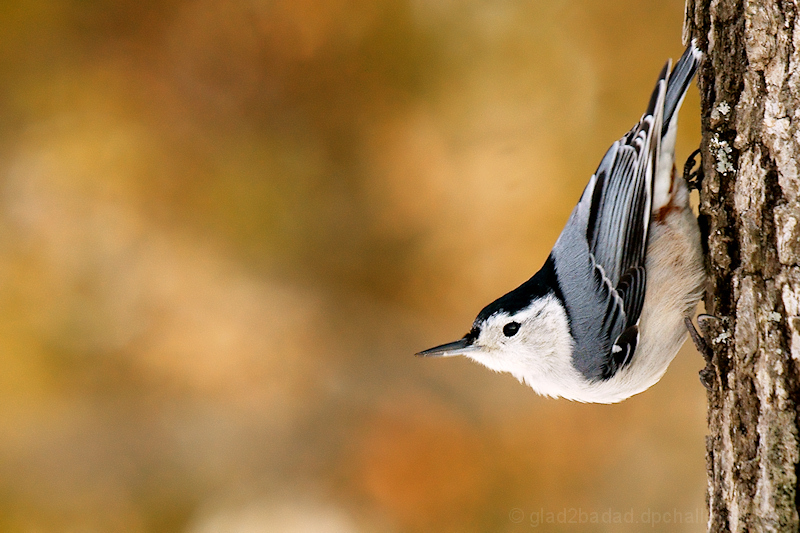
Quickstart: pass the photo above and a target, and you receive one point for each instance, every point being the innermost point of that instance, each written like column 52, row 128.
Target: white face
column 533, row 344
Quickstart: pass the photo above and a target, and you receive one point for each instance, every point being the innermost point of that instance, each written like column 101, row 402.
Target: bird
column 604, row 316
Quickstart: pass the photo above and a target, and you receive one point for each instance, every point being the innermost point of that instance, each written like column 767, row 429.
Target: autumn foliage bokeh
column 226, row 226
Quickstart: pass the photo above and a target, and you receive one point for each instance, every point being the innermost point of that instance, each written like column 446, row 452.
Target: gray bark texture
column 750, row 219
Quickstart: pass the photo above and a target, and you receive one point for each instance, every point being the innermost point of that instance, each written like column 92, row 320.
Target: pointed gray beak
column 459, row 347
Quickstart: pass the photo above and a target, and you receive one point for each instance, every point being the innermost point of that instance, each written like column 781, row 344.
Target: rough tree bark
column 750, row 218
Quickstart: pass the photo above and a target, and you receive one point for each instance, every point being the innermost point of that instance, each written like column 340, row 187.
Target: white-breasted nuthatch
column 604, row 317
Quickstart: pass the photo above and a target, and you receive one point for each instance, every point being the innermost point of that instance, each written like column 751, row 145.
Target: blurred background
column 227, row 226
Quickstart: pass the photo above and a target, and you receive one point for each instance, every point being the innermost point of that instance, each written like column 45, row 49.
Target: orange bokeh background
column 227, row 226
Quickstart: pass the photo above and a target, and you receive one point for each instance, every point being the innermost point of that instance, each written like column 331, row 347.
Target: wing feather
column 600, row 255
column 613, row 242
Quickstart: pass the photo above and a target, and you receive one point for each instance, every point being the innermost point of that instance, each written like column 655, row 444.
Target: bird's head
column 523, row 340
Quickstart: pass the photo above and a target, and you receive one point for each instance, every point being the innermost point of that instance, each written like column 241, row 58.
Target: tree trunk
column 750, row 218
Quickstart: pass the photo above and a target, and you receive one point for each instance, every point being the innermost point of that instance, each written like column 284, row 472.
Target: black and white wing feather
column 600, row 255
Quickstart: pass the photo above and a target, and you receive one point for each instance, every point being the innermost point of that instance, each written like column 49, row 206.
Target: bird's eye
column 511, row 329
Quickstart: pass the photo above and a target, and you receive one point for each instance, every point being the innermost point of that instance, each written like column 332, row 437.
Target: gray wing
column 600, row 255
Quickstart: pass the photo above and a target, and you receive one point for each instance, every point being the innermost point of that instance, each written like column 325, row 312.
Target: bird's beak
column 459, row 347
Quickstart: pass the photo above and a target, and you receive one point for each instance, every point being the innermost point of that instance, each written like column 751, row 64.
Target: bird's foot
column 703, row 343
column 693, row 177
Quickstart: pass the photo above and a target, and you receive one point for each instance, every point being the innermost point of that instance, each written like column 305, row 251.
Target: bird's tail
column 679, row 80
column 677, row 84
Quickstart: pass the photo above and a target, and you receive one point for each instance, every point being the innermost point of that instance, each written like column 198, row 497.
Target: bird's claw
column 694, row 178
column 703, row 345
